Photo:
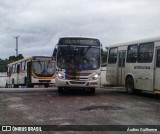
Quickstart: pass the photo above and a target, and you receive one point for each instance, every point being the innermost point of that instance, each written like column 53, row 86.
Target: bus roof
column 154, row 39
column 28, row 58
column 77, row 37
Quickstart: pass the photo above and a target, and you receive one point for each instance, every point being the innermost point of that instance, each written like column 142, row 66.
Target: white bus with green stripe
column 78, row 63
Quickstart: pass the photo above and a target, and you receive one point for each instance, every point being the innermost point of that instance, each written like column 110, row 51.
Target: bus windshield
column 43, row 68
column 78, row 57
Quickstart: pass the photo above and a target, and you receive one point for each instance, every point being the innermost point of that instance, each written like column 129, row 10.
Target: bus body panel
column 80, row 48
column 145, row 71
column 157, row 67
column 111, row 74
column 143, row 75
column 84, row 80
column 24, row 75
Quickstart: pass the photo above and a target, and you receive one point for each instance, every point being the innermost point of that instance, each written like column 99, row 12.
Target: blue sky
column 40, row 23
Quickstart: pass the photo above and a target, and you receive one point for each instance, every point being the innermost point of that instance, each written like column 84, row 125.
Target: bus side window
column 145, row 54
column 18, row 68
column 158, row 58
column 112, row 59
column 13, row 68
column 132, row 53
column 23, row 66
column 10, row 70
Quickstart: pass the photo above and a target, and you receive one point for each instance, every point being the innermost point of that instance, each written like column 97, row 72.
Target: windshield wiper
column 40, row 63
column 48, row 63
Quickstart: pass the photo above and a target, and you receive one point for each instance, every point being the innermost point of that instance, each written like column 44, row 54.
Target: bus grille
column 43, row 81
column 77, row 82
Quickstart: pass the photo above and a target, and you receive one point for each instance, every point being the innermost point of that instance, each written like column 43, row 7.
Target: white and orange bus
column 35, row 70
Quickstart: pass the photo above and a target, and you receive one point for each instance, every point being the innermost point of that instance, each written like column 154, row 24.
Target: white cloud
column 41, row 23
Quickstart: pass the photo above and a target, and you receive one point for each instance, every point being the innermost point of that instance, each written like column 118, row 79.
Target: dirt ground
column 106, row 107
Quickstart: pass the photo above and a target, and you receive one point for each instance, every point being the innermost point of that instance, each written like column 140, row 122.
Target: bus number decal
column 141, row 67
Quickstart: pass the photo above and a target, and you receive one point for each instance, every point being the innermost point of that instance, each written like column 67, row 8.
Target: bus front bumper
column 76, row 83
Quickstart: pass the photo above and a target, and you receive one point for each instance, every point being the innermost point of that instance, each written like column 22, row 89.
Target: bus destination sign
column 79, row 41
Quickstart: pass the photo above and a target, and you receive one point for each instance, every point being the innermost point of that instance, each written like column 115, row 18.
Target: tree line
column 4, row 63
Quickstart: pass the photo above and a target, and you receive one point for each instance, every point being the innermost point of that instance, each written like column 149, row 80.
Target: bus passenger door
column 29, row 72
column 121, row 67
column 157, row 71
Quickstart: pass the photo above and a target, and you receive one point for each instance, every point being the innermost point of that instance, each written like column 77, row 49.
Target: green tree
column 104, row 57
column 4, row 63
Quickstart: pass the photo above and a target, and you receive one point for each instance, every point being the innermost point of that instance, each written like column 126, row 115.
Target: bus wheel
column 129, row 85
column 46, row 85
column 90, row 90
column 60, row 90
column 30, row 86
column 6, row 86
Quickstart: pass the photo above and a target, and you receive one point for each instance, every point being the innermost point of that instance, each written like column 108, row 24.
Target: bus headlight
column 95, row 76
column 60, row 76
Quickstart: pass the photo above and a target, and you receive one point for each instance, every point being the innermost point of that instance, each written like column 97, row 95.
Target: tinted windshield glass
column 43, row 68
column 80, row 58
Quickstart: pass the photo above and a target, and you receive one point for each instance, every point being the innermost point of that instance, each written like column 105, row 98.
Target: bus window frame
column 109, row 57
column 10, row 69
column 121, row 60
column 23, row 65
column 139, row 60
column 135, row 54
column 18, row 68
column 14, row 68
column 157, row 61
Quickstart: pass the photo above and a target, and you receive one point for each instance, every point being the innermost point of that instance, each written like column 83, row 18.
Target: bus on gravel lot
column 78, row 63
column 35, row 70
column 135, row 65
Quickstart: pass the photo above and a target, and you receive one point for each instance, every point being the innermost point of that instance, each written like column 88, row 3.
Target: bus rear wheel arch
column 129, row 85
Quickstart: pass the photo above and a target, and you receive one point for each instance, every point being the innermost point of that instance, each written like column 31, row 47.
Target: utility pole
column 16, row 46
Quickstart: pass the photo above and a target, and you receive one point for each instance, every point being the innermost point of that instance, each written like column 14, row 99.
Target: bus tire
column 25, row 80
column 60, row 90
column 6, row 86
column 15, row 86
column 46, row 85
column 129, row 85
column 90, row 91
column 30, row 86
